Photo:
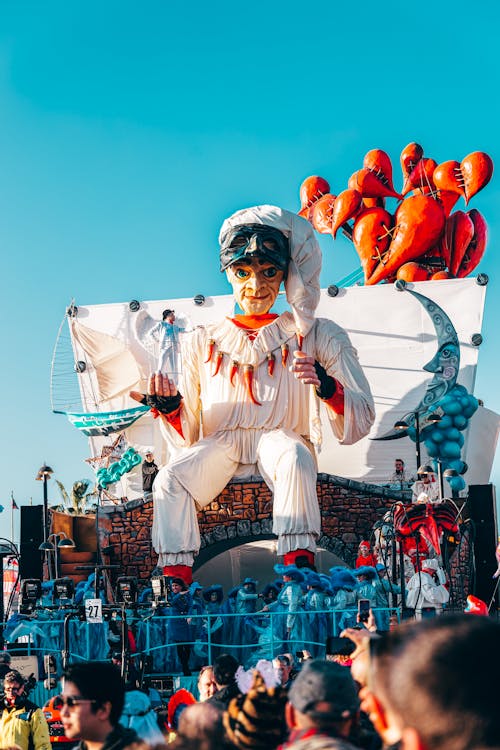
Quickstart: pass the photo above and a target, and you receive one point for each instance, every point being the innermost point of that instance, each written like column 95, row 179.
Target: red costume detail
column 234, row 370
column 336, row 402
column 290, row 558
column 270, row 363
column 218, row 362
column 248, row 379
column 368, row 559
column 284, row 354
column 179, row 571
column 211, row 346
column 425, row 523
column 181, row 697
column 174, row 420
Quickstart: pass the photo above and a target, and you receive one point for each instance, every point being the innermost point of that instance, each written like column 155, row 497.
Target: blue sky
column 129, row 132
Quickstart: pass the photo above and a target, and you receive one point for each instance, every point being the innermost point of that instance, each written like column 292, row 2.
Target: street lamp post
column 402, row 424
column 64, row 542
column 44, row 474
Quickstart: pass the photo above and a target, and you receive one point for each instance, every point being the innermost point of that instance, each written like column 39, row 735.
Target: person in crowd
column 401, row 476
column 322, row 707
column 315, row 603
column 138, row 714
column 425, row 687
column 343, row 600
column 214, row 625
column 365, row 555
column 5, row 661
column 91, row 704
column 149, row 472
column 199, row 655
column 22, row 723
column 206, row 683
column 385, row 589
column 245, row 400
column 365, row 588
column 225, row 667
column 427, row 588
column 177, row 704
column 247, row 597
column 269, row 593
column 289, row 601
column 256, row 719
column 425, row 489
column 201, row 725
column 241, row 628
column 179, row 625
column 283, row 666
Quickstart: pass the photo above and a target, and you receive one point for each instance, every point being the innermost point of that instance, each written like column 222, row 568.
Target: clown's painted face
column 255, row 283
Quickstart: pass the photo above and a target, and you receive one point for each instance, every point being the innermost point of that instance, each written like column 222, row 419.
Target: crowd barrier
column 248, row 636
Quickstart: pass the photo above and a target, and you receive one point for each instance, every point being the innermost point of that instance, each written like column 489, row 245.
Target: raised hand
column 304, row 369
column 162, row 394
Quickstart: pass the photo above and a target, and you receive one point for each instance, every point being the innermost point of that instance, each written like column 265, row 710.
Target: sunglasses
column 70, row 701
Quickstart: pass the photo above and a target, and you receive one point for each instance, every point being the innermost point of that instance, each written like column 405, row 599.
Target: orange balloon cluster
column 421, row 239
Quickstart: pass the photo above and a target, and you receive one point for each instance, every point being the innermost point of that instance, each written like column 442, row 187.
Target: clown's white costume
column 244, row 412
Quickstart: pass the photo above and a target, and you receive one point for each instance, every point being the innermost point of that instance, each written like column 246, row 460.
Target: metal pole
column 45, row 508
column 417, row 439
column 440, row 478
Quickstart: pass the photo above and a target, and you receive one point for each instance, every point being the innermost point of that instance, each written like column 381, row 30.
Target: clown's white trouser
column 200, row 473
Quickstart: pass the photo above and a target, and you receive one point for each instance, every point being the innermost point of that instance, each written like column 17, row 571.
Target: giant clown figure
column 248, row 397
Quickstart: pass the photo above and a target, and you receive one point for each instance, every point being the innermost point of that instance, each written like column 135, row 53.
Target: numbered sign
column 93, row 610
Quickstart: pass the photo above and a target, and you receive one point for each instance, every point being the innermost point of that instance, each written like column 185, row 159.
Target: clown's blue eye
column 241, row 273
column 270, row 273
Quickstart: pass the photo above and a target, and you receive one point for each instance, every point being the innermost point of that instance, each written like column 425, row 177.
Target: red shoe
column 302, row 558
column 179, row 571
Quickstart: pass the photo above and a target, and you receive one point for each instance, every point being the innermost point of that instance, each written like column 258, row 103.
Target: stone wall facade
column 243, row 513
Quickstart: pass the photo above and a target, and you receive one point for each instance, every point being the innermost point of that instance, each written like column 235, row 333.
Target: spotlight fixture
column 160, row 587
column 63, row 591
column 126, row 590
column 31, row 592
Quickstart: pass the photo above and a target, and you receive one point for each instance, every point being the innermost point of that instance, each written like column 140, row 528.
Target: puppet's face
column 255, row 283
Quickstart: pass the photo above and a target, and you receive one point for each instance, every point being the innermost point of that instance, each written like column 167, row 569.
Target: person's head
column 250, row 585
column 256, row 719
column 168, row 316
column 177, row 585
column 206, row 683
column 432, row 687
column 323, row 696
column 201, row 723
column 149, row 456
column 5, row 658
column 282, row 666
column 399, row 465
column 225, row 667
column 364, row 548
column 92, row 700
column 13, row 686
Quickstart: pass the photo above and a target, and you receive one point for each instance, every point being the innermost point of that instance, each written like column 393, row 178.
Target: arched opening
column 229, row 565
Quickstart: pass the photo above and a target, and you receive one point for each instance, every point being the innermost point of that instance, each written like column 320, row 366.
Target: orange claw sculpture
column 422, row 239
